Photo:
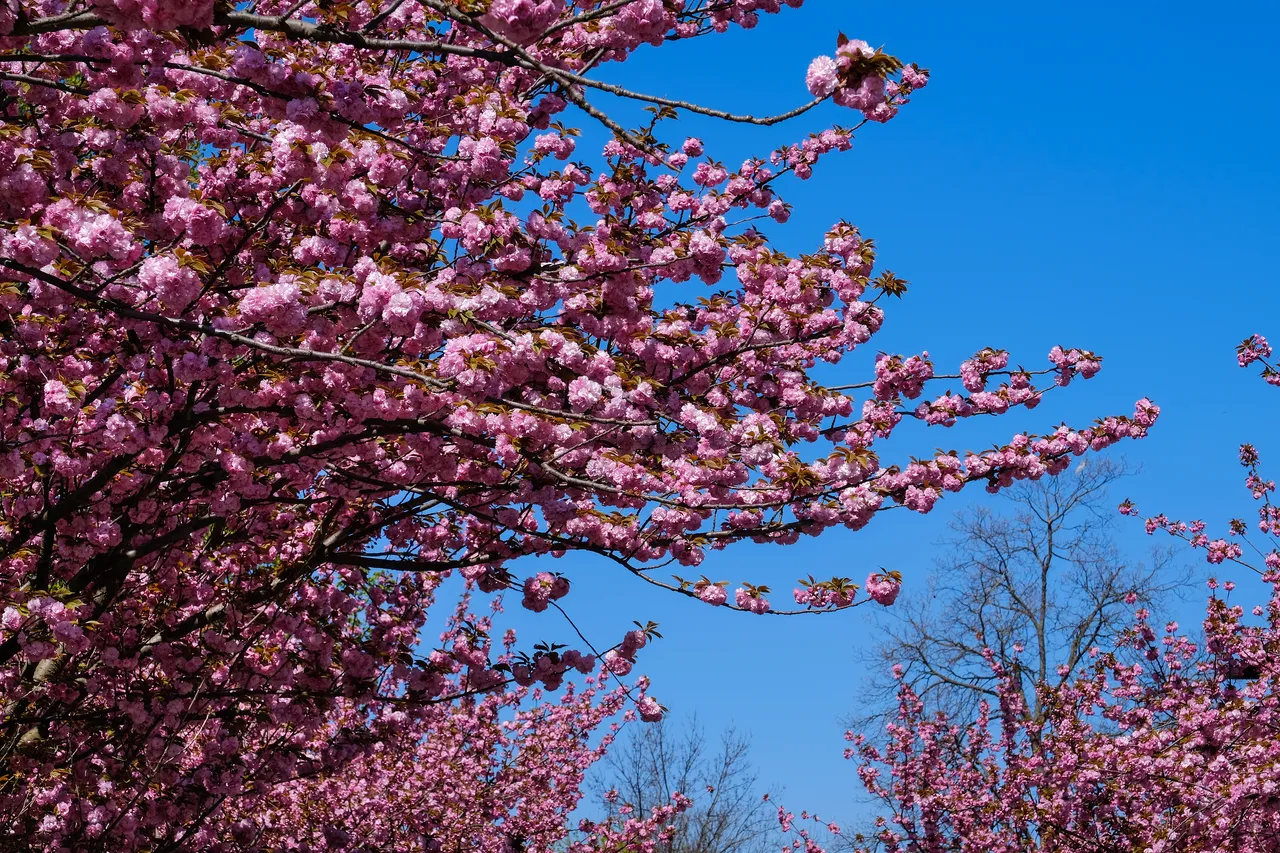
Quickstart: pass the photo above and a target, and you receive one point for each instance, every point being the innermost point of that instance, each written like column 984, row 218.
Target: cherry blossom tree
column 308, row 305
column 1166, row 743
column 494, row 771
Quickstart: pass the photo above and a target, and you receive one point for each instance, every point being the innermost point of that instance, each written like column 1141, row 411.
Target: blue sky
column 1089, row 174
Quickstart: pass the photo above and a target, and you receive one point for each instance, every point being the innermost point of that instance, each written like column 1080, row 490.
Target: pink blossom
column 755, row 603
column 277, row 306
column 617, row 663
column 866, row 95
column 883, row 588
column 822, row 76
column 712, row 594
column 173, row 285
column 915, row 77
column 521, row 20
column 650, row 710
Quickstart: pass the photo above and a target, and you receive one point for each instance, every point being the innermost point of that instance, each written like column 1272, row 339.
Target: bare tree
column 1038, row 585
column 657, row 760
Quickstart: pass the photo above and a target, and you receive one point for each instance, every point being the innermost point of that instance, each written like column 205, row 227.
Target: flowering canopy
column 306, row 305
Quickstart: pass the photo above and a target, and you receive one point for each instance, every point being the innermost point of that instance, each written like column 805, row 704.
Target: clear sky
column 1093, row 174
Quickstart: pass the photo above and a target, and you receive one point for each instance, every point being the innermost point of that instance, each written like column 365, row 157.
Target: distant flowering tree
column 1165, row 744
column 306, row 305
column 491, row 772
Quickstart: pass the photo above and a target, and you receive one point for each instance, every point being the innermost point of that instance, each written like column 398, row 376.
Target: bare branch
column 1038, row 585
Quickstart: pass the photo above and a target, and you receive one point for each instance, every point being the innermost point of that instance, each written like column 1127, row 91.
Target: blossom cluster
column 857, row 75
